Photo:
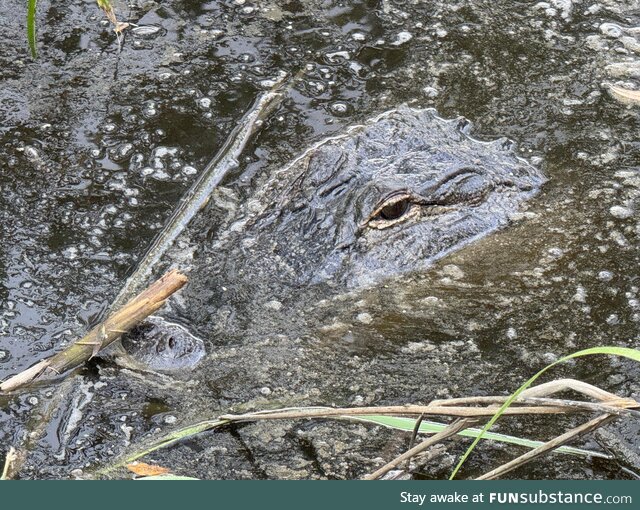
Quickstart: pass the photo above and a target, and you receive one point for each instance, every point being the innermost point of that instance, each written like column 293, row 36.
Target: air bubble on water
column 149, row 109
column 189, row 170
column 555, row 252
column 70, row 253
column 266, row 84
column 566, row 6
column 162, row 151
column 318, row 86
column 339, row 108
column 611, row 30
column 4, row 355
column 136, row 162
column 31, row 153
column 581, row 294
column 146, row 31
column 620, row 212
column 160, row 175
column 335, row 56
column 122, row 151
column 401, row 38
column 430, row 92
column 355, row 67
column 605, row 276
column 110, row 127
column 204, row 103
column 441, row 32
column 33, row 400
column 147, row 170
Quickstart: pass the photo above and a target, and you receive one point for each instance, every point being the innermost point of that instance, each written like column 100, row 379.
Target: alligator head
column 385, row 198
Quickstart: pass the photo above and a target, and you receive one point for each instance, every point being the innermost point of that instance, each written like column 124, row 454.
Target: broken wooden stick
column 547, row 447
column 119, row 322
column 448, row 432
column 610, row 404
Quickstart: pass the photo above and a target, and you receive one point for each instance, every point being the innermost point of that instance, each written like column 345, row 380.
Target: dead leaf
column 143, row 469
column 626, row 96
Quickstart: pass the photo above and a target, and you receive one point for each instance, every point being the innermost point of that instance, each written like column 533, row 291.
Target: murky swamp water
column 97, row 145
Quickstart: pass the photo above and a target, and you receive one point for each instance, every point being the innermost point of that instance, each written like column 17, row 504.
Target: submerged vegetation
column 397, row 418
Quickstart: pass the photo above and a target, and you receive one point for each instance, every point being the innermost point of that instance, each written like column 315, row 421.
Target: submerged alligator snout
column 382, row 199
column 164, row 346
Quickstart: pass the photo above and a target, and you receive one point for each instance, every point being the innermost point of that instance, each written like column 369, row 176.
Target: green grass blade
column 164, row 442
column 31, row 27
column 432, row 427
column 174, row 437
column 633, row 354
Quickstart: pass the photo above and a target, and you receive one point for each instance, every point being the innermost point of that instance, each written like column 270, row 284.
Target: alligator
column 357, row 212
column 380, row 200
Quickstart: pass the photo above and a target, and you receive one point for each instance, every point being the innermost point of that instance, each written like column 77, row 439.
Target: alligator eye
column 392, row 210
column 395, row 210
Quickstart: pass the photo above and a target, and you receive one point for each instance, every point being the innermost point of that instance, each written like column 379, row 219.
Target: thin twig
column 411, row 410
column 225, row 161
column 611, row 407
column 416, row 429
column 451, row 430
column 619, row 406
column 414, row 435
column 541, row 390
column 558, row 385
column 548, row 446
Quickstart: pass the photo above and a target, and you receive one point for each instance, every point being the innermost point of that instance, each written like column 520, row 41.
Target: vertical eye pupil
column 395, row 210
